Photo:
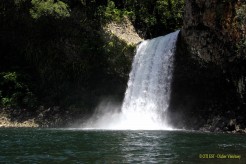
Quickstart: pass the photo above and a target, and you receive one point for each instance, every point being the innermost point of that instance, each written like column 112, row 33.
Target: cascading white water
column 148, row 93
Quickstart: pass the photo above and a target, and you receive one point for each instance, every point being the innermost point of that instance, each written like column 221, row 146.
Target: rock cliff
column 209, row 82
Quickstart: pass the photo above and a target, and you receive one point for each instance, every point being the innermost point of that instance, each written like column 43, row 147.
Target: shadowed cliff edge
column 208, row 91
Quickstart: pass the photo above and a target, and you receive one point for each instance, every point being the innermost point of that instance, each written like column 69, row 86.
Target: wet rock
column 232, row 125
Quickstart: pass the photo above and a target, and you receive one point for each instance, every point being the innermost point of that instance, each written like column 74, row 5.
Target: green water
column 79, row 146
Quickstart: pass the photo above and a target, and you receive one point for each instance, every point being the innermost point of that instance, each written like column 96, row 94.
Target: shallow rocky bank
column 6, row 121
column 222, row 124
column 53, row 117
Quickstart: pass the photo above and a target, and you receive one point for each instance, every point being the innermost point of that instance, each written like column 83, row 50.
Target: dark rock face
column 214, row 28
column 209, row 83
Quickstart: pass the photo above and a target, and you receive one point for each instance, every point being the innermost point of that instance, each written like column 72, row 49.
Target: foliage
column 156, row 17
column 241, row 47
column 119, row 56
column 112, row 13
column 241, row 15
column 57, row 9
column 171, row 12
column 14, row 92
column 241, row 19
column 151, row 18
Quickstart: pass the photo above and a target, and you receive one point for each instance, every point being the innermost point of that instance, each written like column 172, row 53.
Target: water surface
column 81, row 146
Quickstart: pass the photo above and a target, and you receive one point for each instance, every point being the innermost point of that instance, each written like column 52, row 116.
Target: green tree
column 57, row 9
column 155, row 17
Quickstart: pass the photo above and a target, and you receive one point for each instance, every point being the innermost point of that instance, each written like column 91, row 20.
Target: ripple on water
column 76, row 146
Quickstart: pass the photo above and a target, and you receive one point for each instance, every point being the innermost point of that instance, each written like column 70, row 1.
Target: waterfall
column 149, row 86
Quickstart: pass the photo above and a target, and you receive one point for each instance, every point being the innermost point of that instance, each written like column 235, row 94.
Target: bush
column 14, row 92
column 57, row 9
column 153, row 18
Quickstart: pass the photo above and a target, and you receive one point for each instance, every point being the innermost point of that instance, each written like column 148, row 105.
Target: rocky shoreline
column 44, row 118
column 5, row 122
column 222, row 124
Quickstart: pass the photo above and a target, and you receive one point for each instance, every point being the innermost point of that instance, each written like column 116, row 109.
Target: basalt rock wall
column 209, row 83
